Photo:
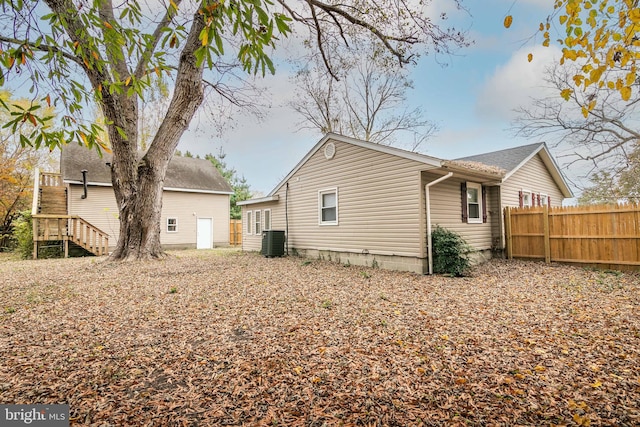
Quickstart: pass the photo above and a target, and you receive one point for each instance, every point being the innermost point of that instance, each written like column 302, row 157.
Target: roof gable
column 422, row 158
column 183, row 173
column 512, row 159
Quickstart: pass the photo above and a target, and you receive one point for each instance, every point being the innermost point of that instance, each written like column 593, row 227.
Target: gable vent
column 329, row 150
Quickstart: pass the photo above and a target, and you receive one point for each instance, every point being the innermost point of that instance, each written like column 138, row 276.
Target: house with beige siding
column 361, row 203
column 195, row 200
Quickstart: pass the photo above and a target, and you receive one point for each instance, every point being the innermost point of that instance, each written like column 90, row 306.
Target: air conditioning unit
column 273, row 243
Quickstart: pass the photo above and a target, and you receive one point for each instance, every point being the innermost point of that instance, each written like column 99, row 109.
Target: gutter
column 428, row 206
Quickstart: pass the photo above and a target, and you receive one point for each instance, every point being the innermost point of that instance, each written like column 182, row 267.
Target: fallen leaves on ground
column 229, row 338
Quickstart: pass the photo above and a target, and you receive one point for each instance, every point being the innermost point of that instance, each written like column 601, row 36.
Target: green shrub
column 23, row 234
column 451, row 254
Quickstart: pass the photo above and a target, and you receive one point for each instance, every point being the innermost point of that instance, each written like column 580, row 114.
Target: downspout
column 428, row 202
column 286, row 219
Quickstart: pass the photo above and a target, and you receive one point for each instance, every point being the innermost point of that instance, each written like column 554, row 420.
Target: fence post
column 547, row 243
column 507, row 230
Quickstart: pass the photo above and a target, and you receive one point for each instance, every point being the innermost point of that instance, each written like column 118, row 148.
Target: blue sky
column 469, row 95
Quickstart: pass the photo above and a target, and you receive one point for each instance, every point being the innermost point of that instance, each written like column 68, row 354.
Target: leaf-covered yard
column 210, row 338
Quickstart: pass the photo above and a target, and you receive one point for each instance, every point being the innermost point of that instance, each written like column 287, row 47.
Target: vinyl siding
column 379, row 204
column 101, row 210
column 446, row 211
column 187, row 208
column 533, row 176
column 253, row 242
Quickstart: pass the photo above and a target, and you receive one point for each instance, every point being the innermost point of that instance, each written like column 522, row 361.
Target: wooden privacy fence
column 235, row 232
column 603, row 235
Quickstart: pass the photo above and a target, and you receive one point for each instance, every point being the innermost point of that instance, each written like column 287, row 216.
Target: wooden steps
column 53, row 200
column 51, row 222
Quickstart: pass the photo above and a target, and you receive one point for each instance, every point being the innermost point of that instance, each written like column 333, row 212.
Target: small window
column 258, row 222
column 328, row 206
column 474, row 203
column 267, row 219
column 249, row 222
column 543, row 199
column 527, row 200
column 172, row 225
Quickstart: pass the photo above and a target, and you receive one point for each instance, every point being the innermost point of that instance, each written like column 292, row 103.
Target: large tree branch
column 117, row 61
column 187, row 97
column 141, row 68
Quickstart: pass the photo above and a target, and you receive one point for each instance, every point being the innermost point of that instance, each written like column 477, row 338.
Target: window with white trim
column 172, row 225
column 527, row 200
column 258, row 222
column 267, row 219
column 249, row 222
column 328, row 206
column 474, row 203
column 543, row 199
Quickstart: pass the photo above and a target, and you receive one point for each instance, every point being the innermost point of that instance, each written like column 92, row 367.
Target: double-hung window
column 249, row 222
column 267, row 219
column 172, row 225
column 474, row 203
column 258, row 222
column 328, row 206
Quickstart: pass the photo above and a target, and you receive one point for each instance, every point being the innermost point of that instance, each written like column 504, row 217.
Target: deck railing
column 67, row 228
column 51, row 179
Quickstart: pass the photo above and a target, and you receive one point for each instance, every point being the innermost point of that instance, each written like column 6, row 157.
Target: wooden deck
column 51, row 222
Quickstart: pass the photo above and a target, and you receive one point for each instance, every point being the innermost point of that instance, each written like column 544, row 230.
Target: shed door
column 204, row 233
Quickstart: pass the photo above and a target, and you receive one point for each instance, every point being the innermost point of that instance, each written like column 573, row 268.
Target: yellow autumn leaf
column 566, row 94
column 508, row 20
column 596, row 384
column 570, row 54
column 625, row 92
column 585, row 112
column 127, row 81
column 563, row 19
column 530, row 57
column 541, row 26
column 611, row 85
column 297, row 369
column 540, row 368
column 592, row 104
column 581, row 421
column 107, row 25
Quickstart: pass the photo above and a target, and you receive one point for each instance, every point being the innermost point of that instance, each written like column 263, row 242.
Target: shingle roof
column 183, row 173
column 508, row 159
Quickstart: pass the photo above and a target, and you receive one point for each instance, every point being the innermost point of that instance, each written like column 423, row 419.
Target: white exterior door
column 204, row 231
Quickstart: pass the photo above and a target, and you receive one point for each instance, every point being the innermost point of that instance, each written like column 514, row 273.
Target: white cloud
column 514, row 84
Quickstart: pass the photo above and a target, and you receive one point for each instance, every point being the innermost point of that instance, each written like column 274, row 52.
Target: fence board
column 605, row 235
column 235, row 232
